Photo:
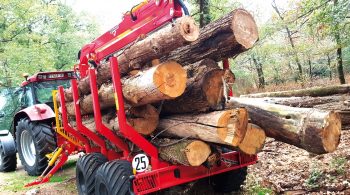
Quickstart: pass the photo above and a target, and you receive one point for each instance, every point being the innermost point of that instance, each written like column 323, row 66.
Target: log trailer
column 104, row 170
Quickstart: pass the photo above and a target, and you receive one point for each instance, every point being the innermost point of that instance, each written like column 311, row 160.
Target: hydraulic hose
column 183, row 6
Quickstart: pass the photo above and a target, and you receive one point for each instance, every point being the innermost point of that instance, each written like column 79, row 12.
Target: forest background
column 302, row 42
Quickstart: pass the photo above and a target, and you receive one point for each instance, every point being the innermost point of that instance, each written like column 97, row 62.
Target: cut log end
column 253, row 140
column 171, row 79
column 244, row 28
column 197, row 152
column 213, row 86
column 232, row 126
column 332, row 132
column 188, row 29
column 144, row 119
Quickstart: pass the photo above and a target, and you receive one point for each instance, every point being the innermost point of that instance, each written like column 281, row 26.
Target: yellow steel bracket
column 59, row 128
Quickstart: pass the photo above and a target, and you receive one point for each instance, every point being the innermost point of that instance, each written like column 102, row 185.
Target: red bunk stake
column 128, row 131
column 66, row 125
column 101, row 128
column 226, row 65
column 83, row 129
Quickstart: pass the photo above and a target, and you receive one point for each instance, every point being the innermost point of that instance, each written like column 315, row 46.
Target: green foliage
column 216, row 8
column 39, row 36
column 312, row 181
column 339, row 164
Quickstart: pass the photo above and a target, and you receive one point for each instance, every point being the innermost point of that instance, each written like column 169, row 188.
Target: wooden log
column 187, row 152
column 339, row 104
column 205, row 89
column 142, row 52
column 223, row 127
column 164, row 81
column 253, row 141
column 303, row 102
column 311, row 129
column 313, row 92
column 226, row 37
column 144, row 119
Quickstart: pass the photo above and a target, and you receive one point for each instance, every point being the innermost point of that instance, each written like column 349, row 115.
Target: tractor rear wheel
column 8, row 159
column 229, row 181
column 34, row 140
column 113, row 178
column 86, row 170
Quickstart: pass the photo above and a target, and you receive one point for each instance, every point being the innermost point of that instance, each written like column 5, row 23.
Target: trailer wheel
column 113, row 178
column 8, row 159
column 34, row 140
column 229, row 181
column 86, row 170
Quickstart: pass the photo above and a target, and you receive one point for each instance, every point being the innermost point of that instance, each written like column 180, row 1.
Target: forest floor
column 285, row 169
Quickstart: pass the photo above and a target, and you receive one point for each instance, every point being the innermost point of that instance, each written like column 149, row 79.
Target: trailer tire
column 113, row 178
column 86, row 170
column 8, row 158
column 229, row 181
column 34, row 140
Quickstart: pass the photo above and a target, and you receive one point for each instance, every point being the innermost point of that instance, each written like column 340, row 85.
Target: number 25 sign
column 140, row 163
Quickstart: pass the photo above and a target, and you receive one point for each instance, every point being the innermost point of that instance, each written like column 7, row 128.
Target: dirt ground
column 282, row 169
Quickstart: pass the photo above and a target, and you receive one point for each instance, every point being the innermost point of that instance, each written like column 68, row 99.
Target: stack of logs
column 176, row 95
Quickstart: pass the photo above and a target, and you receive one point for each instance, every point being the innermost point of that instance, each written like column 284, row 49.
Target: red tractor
column 105, row 170
column 28, row 117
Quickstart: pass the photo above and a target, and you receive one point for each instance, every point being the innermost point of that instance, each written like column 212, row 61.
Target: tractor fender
column 36, row 112
column 7, row 142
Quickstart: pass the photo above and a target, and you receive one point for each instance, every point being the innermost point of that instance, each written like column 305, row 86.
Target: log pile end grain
column 232, row 126
column 171, row 79
column 331, row 132
column 144, row 119
column 244, row 28
column 253, row 141
column 188, row 29
column 186, row 152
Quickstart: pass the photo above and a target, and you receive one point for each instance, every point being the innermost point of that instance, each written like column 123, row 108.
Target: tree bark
column 339, row 49
column 187, row 152
column 223, row 127
column 144, row 119
column 339, row 104
column 152, row 47
column 205, row 89
column 253, row 141
column 314, row 130
column 164, row 81
column 260, row 72
column 227, row 37
column 313, row 92
column 204, row 13
column 291, row 41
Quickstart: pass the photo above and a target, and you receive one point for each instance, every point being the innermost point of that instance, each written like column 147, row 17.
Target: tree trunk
column 205, row 89
column 314, row 130
column 253, row 141
column 223, row 127
column 330, row 66
column 187, row 152
column 259, row 70
column 204, row 13
column 164, row 81
column 303, row 102
column 291, row 41
column 152, row 47
column 310, row 67
column 339, row 49
column 144, row 119
column 227, row 37
column 339, row 104
column 313, row 92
